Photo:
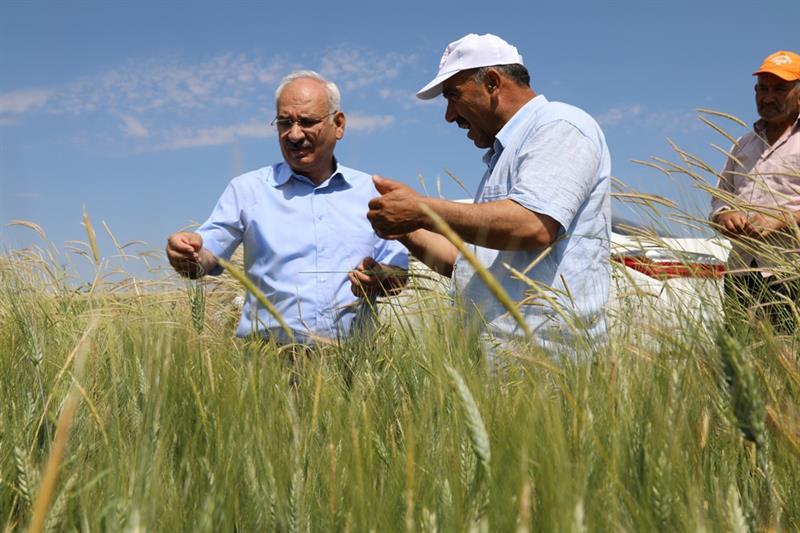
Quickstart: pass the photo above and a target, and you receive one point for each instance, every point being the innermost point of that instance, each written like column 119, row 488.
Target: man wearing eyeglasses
column 308, row 245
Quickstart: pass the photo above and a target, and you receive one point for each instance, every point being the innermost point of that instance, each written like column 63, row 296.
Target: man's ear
column 492, row 80
column 339, row 121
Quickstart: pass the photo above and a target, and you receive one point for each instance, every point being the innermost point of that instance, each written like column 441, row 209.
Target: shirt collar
column 759, row 126
column 284, row 173
column 513, row 127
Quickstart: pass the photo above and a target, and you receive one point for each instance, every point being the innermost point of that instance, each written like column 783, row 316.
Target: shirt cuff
column 719, row 210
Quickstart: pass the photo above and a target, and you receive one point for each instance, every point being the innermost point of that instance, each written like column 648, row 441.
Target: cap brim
column 434, row 88
column 782, row 74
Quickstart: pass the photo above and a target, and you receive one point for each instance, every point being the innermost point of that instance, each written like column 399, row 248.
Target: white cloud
column 157, row 84
column 615, row 115
column 359, row 122
column 133, row 127
column 673, row 120
column 354, row 68
column 405, row 98
column 663, row 120
column 166, row 84
column 195, row 138
column 163, row 101
column 22, row 101
column 224, row 81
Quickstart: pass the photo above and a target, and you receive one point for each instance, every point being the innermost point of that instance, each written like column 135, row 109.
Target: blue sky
column 142, row 111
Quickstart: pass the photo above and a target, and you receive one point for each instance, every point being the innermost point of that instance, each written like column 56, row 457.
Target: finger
column 731, row 229
column 176, row 245
column 183, row 246
column 384, row 185
column 358, row 288
column 195, row 241
column 175, row 255
column 374, row 219
column 363, row 279
column 738, row 221
column 374, row 205
column 354, row 285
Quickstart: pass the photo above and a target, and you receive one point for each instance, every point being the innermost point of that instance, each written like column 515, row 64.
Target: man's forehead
column 772, row 79
column 457, row 79
column 304, row 91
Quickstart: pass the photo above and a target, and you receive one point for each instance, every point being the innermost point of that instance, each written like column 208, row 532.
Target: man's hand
column 396, row 211
column 183, row 252
column 370, row 279
column 734, row 224
column 764, row 225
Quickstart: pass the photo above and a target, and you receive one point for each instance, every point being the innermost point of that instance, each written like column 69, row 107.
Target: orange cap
column 785, row 65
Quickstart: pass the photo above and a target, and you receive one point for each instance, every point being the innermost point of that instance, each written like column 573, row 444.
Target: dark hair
column 514, row 71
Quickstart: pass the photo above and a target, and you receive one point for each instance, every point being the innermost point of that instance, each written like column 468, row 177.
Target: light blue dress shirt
column 550, row 158
column 300, row 241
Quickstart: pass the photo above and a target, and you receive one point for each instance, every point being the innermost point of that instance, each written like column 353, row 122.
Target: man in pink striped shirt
column 757, row 201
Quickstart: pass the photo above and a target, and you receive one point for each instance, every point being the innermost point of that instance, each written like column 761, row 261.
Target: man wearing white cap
column 757, row 201
column 540, row 222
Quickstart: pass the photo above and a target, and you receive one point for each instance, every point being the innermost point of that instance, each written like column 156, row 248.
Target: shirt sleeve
column 391, row 253
column 223, row 230
column 724, row 184
column 556, row 171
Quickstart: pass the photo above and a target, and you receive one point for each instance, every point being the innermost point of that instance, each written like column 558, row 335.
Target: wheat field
column 130, row 406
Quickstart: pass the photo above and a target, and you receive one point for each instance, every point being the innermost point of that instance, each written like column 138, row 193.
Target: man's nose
column 770, row 95
column 295, row 132
column 449, row 114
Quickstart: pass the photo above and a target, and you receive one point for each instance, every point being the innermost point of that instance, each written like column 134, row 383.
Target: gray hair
column 334, row 97
column 514, row 71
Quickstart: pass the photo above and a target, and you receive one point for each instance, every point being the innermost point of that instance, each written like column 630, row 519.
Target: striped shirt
column 552, row 159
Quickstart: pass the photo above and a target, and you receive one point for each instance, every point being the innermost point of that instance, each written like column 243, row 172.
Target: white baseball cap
column 471, row 51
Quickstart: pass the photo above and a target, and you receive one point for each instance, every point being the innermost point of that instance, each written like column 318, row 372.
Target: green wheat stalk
column 197, row 299
column 478, row 436
column 493, row 285
column 250, row 286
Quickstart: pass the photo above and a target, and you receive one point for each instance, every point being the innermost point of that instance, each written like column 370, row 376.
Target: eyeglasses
column 305, row 123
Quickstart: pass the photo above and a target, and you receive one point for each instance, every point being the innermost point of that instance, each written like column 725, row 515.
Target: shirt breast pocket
column 787, row 173
column 793, row 166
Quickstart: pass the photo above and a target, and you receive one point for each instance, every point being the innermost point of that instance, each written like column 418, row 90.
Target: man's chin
column 299, row 161
column 770, row 115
